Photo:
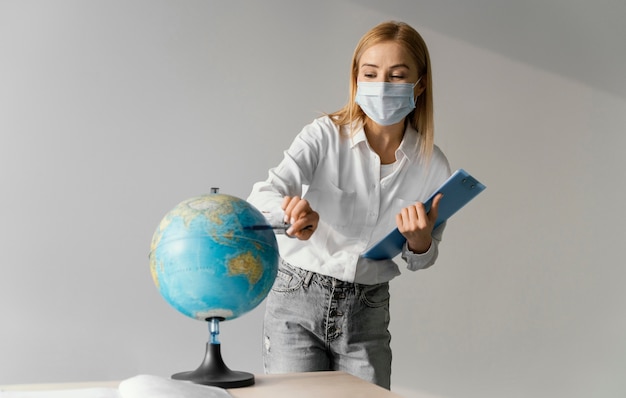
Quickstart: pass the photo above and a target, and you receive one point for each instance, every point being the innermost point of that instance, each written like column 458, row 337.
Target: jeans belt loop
column 307, row 278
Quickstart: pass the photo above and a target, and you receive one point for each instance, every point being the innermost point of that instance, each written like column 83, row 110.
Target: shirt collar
column 358, row 137
column 409, row 145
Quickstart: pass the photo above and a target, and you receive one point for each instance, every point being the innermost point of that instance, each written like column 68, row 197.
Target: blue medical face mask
column 386, row 103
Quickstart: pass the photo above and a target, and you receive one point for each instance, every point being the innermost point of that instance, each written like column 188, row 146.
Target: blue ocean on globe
column 207, row 262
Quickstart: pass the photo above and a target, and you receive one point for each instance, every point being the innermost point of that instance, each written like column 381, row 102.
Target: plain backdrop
column 112, row 112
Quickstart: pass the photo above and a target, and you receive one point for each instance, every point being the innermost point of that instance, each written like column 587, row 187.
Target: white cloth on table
column 141, row 386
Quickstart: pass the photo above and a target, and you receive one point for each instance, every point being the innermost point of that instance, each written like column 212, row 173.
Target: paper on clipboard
column 458, row 190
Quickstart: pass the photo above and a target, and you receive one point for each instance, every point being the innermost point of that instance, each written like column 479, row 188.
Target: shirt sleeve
column 417, row 261
column 267, row 196
column 288, row 178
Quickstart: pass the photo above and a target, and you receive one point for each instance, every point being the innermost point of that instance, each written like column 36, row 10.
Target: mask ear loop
column 415, row 97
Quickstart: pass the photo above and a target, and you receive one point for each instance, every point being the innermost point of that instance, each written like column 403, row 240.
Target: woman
column 347, row 180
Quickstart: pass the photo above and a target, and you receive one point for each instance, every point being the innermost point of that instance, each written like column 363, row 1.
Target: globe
column 214, row 256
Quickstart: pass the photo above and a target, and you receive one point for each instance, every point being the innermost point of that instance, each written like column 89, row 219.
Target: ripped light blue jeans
column 318, row 323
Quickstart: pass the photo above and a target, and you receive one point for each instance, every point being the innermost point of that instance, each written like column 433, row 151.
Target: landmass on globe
column 206, row 264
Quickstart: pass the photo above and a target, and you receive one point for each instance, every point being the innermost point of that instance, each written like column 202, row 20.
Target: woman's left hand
column 417, row 226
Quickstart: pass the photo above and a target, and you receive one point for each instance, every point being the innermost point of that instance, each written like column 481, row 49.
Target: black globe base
column 214, row 372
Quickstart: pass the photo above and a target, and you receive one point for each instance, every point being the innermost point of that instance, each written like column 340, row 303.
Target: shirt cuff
column 417, row 261
column 274, row 218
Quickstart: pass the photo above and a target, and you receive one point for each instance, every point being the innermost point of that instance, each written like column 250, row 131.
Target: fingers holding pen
column 295, row 208
column 289, row 203
column 301, row 216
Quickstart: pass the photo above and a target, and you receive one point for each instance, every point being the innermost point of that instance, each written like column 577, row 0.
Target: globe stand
column 213, row 371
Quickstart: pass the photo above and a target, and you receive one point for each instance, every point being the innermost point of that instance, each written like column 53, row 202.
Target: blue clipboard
column 458, row 190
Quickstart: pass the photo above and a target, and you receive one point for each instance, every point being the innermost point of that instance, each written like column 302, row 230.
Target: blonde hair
column 422, row 117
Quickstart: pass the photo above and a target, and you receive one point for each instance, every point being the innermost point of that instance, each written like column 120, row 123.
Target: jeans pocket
column 287, row 279
column 375, row 296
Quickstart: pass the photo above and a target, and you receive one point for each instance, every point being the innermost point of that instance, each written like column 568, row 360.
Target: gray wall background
column 112, row 112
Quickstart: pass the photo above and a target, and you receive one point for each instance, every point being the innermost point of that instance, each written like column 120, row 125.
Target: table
column 300, row 385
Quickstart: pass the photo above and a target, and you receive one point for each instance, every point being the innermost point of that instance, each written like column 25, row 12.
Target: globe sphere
column 207, row 261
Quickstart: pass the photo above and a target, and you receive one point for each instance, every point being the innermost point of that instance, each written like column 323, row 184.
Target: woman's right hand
column 301, row 216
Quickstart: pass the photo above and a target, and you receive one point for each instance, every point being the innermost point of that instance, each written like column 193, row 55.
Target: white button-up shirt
column 340, row 175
